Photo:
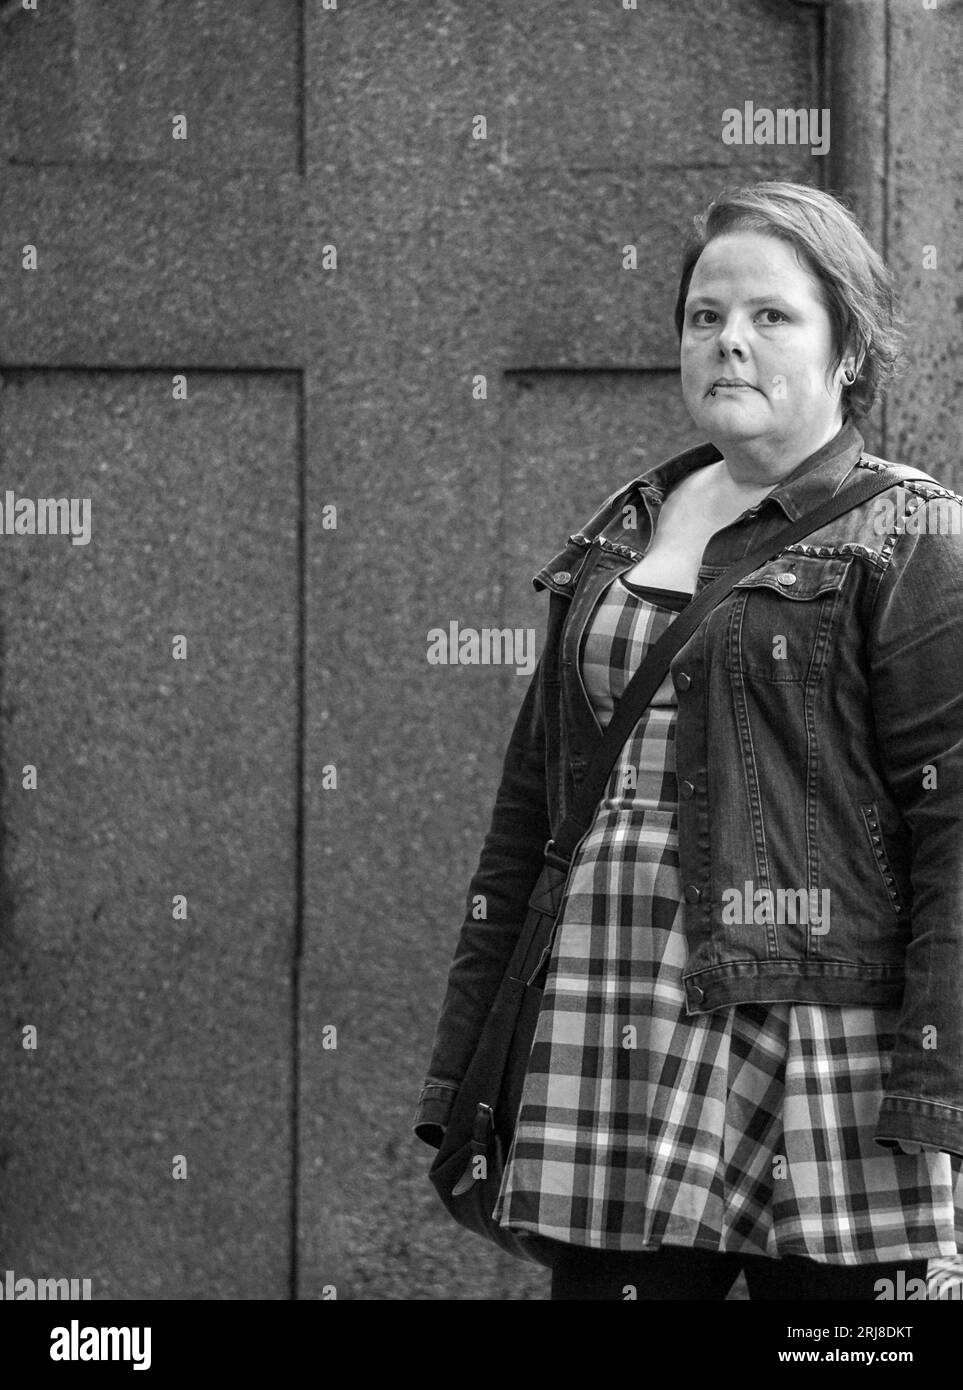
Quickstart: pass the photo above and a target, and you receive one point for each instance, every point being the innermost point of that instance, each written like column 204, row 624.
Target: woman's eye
column 703, row 318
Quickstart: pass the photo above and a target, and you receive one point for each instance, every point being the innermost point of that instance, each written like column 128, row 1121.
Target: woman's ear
column 850, row 364
column 855, row 356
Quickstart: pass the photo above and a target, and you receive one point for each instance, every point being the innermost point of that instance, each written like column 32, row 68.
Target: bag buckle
column 554, row 857
column 481, row 1133
column 542, row 962
column 482, row 1127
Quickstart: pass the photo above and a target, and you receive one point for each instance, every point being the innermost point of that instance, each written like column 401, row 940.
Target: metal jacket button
column 698, row 994
column 683, row 681
column 562, row 577
column 785, row 579
column 692, row 893
column 687, row 789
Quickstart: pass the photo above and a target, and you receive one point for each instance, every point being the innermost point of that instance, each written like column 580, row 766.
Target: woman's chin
column 735, row 415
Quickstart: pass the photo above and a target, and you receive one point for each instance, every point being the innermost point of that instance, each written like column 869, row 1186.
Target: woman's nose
column 731, row 343
column 732, row 338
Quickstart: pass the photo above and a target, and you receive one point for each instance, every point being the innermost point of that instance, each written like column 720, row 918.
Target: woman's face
column 756, row 314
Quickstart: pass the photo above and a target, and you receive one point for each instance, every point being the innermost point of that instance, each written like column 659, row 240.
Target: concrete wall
column 315, row 907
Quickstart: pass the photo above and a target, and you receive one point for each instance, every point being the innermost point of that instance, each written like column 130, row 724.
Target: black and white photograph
column 481, row 671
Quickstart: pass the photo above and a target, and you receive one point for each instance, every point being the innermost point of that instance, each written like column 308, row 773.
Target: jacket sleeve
column 916, row 673
column 497, row 902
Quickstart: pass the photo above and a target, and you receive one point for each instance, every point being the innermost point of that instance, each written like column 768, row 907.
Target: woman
column 749, row 1054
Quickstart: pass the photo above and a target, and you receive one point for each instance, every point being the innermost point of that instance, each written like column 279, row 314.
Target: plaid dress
column 746, row 1130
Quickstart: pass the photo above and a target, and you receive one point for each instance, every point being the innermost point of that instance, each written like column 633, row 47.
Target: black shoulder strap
column 651, row 672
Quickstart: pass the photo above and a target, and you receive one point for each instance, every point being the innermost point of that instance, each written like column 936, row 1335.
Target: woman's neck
column 763, row 464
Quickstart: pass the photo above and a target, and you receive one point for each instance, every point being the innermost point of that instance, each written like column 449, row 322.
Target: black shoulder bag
column 467, row 1170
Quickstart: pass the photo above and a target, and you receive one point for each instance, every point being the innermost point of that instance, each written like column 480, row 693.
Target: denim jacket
column 819, row 764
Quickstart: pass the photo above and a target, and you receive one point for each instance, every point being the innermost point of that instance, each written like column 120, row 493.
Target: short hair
column 859, row 290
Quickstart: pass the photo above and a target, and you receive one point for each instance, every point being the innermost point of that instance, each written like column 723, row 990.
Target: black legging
column 676, row 1273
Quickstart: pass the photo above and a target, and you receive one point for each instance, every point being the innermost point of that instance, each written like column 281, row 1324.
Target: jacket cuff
column 925, row 1122
column 433, row 1110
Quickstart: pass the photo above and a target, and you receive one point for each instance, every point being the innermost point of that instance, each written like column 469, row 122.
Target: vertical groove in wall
column 822, row 82
column 5, row 914
column 884, row 229
column 507, row 385
column 294, row 1286
column 300, row 677
column 858, row 69
column 302, row 94
column 299, row 819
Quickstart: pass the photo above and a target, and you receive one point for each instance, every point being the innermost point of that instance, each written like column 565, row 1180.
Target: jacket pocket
column 782, row 617
column 870, row 815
